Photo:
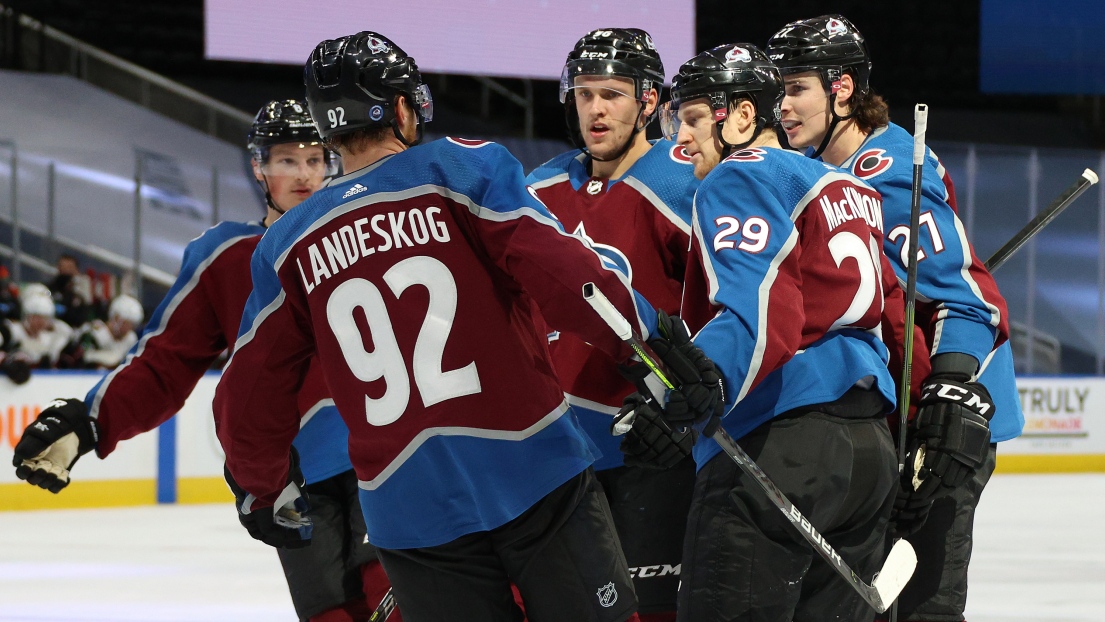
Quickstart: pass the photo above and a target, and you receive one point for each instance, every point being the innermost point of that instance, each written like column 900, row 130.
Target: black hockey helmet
column 352, row 83
column 723, row 75
column 614, row 52
column 831, row 46
column 278, row 122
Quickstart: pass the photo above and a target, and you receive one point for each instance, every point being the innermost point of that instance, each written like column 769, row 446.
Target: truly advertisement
column 1061, row 416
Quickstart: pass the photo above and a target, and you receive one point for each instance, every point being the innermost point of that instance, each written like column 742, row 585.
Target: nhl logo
column 835, row 27
column 607, row 595
column 738, row 55
column 594, row 186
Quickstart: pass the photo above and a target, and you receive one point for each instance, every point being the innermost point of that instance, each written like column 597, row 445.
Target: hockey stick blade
column 896, row 572
column 899, row 565
column 1061, row 202
column 384, row 609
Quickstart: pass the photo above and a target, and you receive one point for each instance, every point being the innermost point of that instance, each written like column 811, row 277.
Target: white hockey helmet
column 126, row 308
column 37, row 304
column 35, row 289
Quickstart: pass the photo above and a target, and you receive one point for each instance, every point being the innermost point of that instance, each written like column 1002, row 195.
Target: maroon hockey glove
column 950, row 437
column 289, row 527
column 52, row 444
column 651, row 443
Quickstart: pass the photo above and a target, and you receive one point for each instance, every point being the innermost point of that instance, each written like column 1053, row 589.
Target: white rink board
column 198, row 451
column 1063, row 416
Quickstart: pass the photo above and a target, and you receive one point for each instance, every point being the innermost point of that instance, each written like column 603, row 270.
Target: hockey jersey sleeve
column 527, row 242
column 270, row 362
column 968, row 311
column 182, row 339
column 744, row 264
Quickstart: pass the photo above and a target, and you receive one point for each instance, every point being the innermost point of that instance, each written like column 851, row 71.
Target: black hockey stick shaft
column 920, row 126
column 1061, row 202
column 900, row 562
column 384, row 609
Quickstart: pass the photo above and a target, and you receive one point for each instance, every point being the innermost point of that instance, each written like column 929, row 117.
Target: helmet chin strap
column 269, row 202
column 728, row 148
column 832, row 124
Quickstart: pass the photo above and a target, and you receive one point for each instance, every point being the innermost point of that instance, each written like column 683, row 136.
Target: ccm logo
column 953, row 393
column 663, row 570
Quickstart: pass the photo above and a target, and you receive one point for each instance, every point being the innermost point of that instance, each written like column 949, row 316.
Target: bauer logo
column 607, row 595
column 835, row 27
column 355, row 190
column 738, row 55
column 871, row 163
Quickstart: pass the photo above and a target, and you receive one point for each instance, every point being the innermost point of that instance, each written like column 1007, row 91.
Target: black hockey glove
column 651, row 442
column 289, row 527
column 51, row 445
column 909, row 514
column 16, row 367
column 700, row 396
column 950, row 437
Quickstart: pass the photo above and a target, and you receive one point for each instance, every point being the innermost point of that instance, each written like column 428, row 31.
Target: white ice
column 1039, row 556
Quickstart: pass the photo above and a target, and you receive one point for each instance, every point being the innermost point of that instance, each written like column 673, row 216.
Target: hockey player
column 969, row 401
column 39, row 338
column 337, row 578
column 103, row 345
column 413, row 278
column 631, row 200
column 784, row 283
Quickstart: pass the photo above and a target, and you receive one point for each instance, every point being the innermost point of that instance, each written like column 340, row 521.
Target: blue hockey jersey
column 639, row 221
column 959, row 307
column 414, row 281
column 785, row 283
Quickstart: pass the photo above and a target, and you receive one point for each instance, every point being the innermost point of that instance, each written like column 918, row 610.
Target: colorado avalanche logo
column 467, row 142
column 607, row 595
column 611, row 257
column 871, row 163
column 835, row 27
column 679, row 154
column 738, row 55
column 754, row 154
column 376, row 45
column 648, row 42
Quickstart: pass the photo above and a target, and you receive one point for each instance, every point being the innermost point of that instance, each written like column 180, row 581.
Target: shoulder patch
column 468, row 142
column 755, row 154
column 678, row 153
column 871, row 162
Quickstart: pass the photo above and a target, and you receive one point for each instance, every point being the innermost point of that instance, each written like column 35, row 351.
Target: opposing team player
column 969, row 401
column 413, row 278
column 631, row 200
column 337, row 578
column 784, row 283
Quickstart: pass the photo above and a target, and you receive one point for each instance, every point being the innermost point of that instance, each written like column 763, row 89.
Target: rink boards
column 181, row 462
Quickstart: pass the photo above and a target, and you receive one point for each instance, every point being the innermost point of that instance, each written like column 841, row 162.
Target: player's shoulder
column 766, row 166
column 462, row 165
column 666, row 170
column 555, row 170
column 219, row 237
column 886, row 155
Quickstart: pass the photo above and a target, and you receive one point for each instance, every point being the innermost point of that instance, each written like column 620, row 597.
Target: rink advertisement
column 182, row 462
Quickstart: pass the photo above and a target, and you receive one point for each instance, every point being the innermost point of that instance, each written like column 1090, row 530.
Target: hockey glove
column 651, row 442
column 51, row 445
column 909, row 514
column 15, row 367
column 950, row 437
column 700, row 396
column 289, row 527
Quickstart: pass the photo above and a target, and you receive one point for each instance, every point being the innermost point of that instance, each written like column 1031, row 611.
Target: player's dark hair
column 872, row 113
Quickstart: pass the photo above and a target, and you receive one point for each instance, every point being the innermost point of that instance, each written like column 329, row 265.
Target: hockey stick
column 899, row 564
column 1061, row 202
column 384, row 609
column 920, row 126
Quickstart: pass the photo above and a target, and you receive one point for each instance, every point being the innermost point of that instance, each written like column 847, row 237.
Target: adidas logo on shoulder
column 356, row 189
